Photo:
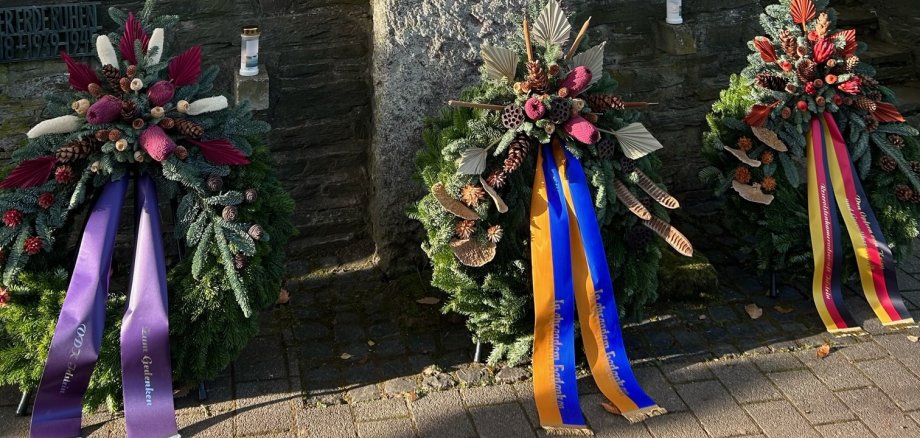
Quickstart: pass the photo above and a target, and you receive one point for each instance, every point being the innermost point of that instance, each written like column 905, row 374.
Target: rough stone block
column 441, row 415
column 716, row 409
column 252, row 88
column 779, row 418
column 810, row 396
column 675, row 39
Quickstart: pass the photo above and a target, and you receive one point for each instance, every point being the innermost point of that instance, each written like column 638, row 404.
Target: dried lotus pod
column 473, row 253
column 630, row 201
column 452, row 205
column 659, row 195
column 675, row 238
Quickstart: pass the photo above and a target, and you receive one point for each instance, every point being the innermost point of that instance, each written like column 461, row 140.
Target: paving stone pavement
column 358, row 359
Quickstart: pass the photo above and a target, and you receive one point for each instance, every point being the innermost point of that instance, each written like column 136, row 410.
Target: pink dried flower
column 161, row 93
column 4, row 297
column 851, row 86
column 157, row 144
column 534, row 108
column 577, row 80
column 106, row 110
column 581, row 130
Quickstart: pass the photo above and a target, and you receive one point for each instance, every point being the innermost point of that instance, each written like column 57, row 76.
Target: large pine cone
column 852, row 63
column 560, row 111
column 887, row 163
column 517, row 153
column 536, row 77
column 866, row 104
column 790, row 45
column 189, row 128
column 871, row 123
column 903, row 192
column 806, row 70
column 128, row 110
column 896, row 140
column 497, row 179
column 75, row 150
column 113, row 76
column 604, row 102
column 771, row 82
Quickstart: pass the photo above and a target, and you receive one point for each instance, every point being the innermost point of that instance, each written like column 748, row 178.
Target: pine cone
column 517, row 153
column 536, row 77
column 875, row 95
column 240, row 262
column 256, row 232
column 871, row 123
column 903, row 192
column 63, row 174
column 604, row 102
column 770, row 82
column 606, row 148
column 215, row 183
column 512, row 116
column 75, row 150
column 465, row 228
column 229, row 213
column 896, row 140
column 472, row 195
column 12, row 218
column 128, row 110
column 189, row 128
column 806, row 70
column 887, row 163
column 639, row 237
column 869, row 82
column 852, row 63
column 181, row 152
column 250, row 195
column 560, row 110
column 113, row 76
column 32, row 245
column 789, row 43
column 915, row 167
column 497, row 179
column 627, row 165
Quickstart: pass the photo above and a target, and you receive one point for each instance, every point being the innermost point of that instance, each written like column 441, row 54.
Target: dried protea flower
column 181, row 152
column 94, row 89
column 167, row 123
column 80, row 106
column 161, row 92
column 114, row 135
column 106, row 110
column 121, row 145
column 139, row 156
column 137, row 123
column 156, row 143
column 102, row 135
column 137, row 84
column 465, row 228
column 157, row 112
column 182, row 106
column 494, row 233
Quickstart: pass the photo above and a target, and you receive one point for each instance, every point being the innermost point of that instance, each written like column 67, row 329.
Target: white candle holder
column 249, row 51
column 673, row 17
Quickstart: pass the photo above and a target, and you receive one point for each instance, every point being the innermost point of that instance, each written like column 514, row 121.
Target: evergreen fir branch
column 229, row 198
column 231, row 275
column 200, row 259
column 790, row 170
column 882, row 142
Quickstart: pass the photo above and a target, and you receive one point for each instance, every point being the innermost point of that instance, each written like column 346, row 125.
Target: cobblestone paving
column 356, row 359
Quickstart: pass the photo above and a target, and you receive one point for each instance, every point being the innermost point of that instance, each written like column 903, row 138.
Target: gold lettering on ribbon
column 598, row 309
column 558, row 370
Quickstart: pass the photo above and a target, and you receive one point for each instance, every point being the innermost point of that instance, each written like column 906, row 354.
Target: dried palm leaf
column 499, row 62
column 551, row 26
column 887, row 113
column 752, row 193
column 499, row 202
column 633, row 204
column 769, row 138
column 648, row 186
column 802, row 11
column 593, row 60
column 473, row 161
column 675, row 238
column 452, row 205
column 743, row 157
column 849, row 35
column 636, row 141
column 472, row 252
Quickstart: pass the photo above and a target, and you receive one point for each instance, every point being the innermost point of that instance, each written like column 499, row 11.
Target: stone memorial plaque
column 41, row 32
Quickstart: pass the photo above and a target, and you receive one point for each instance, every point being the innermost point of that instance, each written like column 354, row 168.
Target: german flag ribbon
column 832, row 177
column 571, row 273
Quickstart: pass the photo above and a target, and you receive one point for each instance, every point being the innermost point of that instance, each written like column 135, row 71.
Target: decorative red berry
column 802, row 105
column 12, row 218
column 46, row 200
column 63, row 174
column 32, row 246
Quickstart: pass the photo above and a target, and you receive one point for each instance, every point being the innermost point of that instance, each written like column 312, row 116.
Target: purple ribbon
column 146, row 370
column 146, row 373
column 78, row 335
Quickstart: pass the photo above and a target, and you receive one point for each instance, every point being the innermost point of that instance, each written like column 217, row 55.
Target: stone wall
column 317, row 53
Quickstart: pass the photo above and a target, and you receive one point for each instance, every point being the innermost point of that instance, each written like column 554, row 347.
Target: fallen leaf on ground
column 283, row 297
column 345, row 356
column 610, row 408
column 913, row 338
column 823, row 351
column 754, row 311
column 782, row 309
column 428, row 300
column 371, row 343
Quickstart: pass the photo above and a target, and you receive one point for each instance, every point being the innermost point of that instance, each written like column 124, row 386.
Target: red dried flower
column 810, row 88
column 106, row 110
column 851, row 86
column 46, row 200
column 12, row 218
column 32, row 245
column 768, row 184
column 63, row 174
column 823, row 50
